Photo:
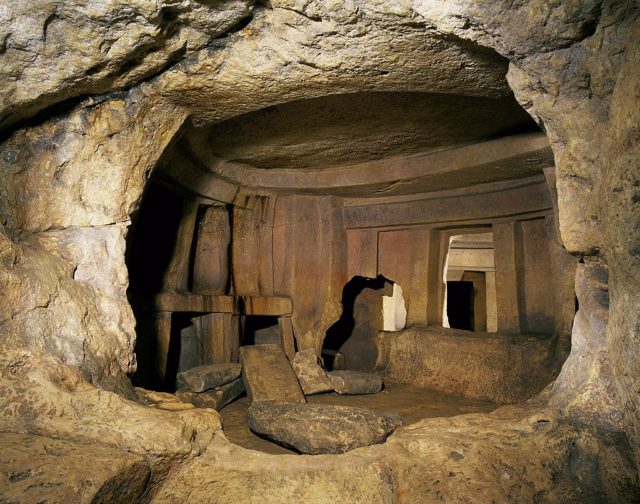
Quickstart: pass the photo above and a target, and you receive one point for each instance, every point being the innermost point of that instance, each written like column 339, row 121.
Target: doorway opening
column 460, row 297
column 470, row 300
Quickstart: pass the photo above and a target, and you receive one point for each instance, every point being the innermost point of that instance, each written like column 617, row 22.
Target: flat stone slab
column 268, row 375
column 216, row 399
column 313, row 379
column 318, row 428
column 355, row 382
column 211, row 376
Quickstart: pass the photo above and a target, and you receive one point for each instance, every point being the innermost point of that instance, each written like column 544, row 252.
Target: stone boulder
column 216, row 399
column 316, row 429
column 313, row 379
column 355, row 382
column 201, row 378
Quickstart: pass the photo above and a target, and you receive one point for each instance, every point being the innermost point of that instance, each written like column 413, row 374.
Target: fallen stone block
column 318, row 428
column 216, row 399
column 354, row 382
column 268, row 375
column 211, row 376
column 313, row 379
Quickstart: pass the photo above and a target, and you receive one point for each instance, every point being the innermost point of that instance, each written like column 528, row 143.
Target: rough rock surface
column 55, row 50
column 161, row 400
column 315, row 429
column 313, row 379
column 217, row 398
column 268, row 376
column 585, row 387
column 230, row 473
column 354, row 382
column 67, row 271
column 354, row 128
column 210, row 376
column 36, row 391
column 41, row 469
column 515, row 454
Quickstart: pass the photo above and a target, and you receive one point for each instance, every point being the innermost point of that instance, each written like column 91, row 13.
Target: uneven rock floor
column 411, row 402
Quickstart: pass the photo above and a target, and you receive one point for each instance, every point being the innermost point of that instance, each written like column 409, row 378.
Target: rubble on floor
column 354, row 382
column 216, row 398
column 211, row 376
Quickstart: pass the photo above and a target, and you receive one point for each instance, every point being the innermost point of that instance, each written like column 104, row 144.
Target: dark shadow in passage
column 342, row 329
column 460, row 305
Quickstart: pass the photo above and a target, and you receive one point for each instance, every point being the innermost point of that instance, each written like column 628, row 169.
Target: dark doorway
column 460, row 305
column 259, row 330
column 152, row 240
column 150, row 244
column 354, row 334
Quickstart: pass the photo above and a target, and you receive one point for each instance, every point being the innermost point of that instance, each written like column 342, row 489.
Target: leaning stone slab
column 355, row 382
column 268, row 375
column 216, row 399
column 211, row 376
column 313, row 379
column 319, row 428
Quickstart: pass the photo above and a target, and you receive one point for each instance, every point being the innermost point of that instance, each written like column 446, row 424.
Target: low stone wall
column 502, row 368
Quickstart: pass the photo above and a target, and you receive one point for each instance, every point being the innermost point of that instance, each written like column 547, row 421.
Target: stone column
column 437, row 250
column 211, row 260
column 362, row 253
column 492, row 308
column 177, row 275
column 505, row 236
column 219, row 338
column 161, row 327
column 479, row 298
column 252, row 244
column 417, row 310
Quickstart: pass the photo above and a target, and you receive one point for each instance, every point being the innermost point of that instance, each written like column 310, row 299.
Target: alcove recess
column 279, row 209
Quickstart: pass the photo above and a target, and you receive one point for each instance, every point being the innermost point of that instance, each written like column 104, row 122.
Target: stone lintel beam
column 188, row 174
column 266, row 305
column 175, row 301
column 506, row 238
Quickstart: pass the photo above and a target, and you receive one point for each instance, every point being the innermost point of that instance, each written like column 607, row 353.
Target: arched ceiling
column 345, row 129
column 362, row 144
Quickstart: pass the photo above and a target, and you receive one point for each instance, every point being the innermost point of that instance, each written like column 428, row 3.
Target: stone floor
column 411, row 402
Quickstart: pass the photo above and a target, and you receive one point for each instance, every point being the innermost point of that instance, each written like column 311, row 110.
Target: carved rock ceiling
column 358, row 127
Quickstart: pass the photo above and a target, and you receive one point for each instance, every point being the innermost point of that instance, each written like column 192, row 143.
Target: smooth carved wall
column 307, row 247
column 521, row 217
